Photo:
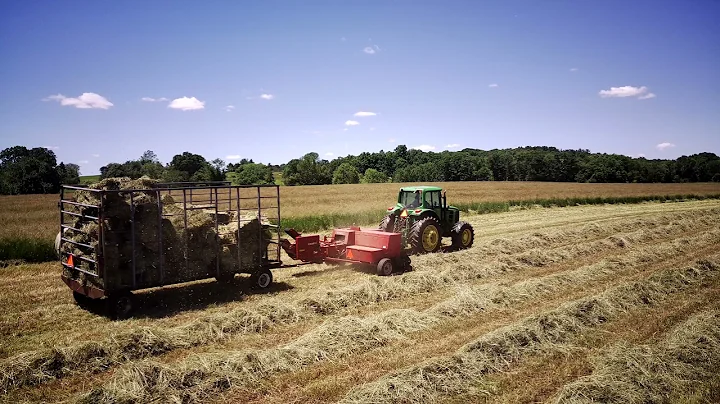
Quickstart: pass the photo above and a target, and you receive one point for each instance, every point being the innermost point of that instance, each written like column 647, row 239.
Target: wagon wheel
column 385, row 267
column 120, row 305
column 262, row 279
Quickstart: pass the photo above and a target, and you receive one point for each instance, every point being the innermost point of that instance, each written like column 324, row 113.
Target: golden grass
column 199, row 340
column 37, row 215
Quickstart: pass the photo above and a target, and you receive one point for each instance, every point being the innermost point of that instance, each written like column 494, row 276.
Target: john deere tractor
column 423, row 216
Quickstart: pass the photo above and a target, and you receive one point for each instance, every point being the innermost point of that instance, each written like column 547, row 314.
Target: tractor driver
column 416, row 202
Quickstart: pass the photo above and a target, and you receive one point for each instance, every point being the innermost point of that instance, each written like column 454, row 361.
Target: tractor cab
column 426, row 205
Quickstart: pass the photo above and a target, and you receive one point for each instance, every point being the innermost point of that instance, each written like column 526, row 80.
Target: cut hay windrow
column 550, row 331
column 42, row 366
column 341, row 337
column 440, row 270
column 677, row 369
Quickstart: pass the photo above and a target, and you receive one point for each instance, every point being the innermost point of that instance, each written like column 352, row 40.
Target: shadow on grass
column 177, row 299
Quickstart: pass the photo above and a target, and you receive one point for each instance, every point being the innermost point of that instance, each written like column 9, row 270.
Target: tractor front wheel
column 425, row 236
column 463, row 235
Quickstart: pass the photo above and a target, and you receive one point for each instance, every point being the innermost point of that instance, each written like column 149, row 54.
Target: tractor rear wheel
column 425, row 236
column 387, row 224
column 385, row 267
column 463, row 235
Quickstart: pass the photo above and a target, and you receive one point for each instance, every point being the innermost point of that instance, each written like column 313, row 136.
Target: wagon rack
column 89, row 275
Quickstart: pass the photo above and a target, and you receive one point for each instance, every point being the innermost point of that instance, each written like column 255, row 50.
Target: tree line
column 35, row 170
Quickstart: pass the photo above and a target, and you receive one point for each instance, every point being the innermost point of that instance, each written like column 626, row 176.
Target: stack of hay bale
column 187, row 253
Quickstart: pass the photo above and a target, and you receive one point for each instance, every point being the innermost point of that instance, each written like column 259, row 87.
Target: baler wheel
column 262, row 279
column 385, row 267
column 81, row 300
column 120, row 305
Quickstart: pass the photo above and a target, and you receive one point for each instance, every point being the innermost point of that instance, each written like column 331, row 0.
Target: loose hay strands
column 42, row 366
column 677, row 368
column 548, row 331
column 338, row 338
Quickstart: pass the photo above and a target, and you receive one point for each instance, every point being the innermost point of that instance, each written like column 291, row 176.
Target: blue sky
column 630, row 77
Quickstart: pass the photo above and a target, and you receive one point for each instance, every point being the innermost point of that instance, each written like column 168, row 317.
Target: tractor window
column 408, row 198
column 432, row 199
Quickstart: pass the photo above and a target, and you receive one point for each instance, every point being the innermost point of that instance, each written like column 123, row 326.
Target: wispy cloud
column 233, row 157
column 453, row 146
column 84, row 101
column 329, row 154
column 372, row 128
column 647, row 96
column 150, row 99
column 369, row 50
column 351, row 123
column 83, row 162
column 364, row 113
column 229, row 108
column 574, row 69
column 391, row 140
column 343, row 39
column 95, row 155
column 493, row 85
column 424, row 147
column 665, row 145
column 187, row 104
column 51, row 147
column 627, row 91
column 267, row 96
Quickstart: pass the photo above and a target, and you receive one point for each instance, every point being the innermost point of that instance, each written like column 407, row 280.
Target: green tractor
column 423, row 216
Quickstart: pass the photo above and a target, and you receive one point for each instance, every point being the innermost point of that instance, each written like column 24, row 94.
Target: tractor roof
column 421, row 188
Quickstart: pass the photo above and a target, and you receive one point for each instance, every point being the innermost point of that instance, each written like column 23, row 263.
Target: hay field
column 37, row 215
column 580, row 304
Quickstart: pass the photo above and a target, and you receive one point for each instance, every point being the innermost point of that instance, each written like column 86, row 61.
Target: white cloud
column 372, row 128
column 626, row 91
column 665, row 145
column 363, row 113
column 369, row 50
column 229, row 108
column 187, row 104
column 424, row 147
column 574, row 69
column 345, row 129
column 493, row 85
column 95, row 155
column 453, row 146
column 267, row 96
column 233, row 157
column 84, row 101
column 51, row 147
column 150, row 99
column 391, row 140
column 647, row 96
column 83, row 162
column 351, row 123
column 329, row 154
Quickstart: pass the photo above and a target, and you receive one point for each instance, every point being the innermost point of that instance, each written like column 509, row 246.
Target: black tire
column 262, row 279
column 402, row 263
column 425, row 236
column 385, row 267
column 463, row 235
column 387, row 224
column 121, row 305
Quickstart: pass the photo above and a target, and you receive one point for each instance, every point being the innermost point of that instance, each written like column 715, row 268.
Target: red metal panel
column 364, row 254
column 308, row 247
column 346, row 236
column 87, row 290
column 380, row 239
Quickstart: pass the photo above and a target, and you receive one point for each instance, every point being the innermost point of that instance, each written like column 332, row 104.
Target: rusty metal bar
column 160, row 238
column 217, row 236
column 80, row 270
column 101, row 240
column 132, row 238
column 187, row 237
column 239, row 268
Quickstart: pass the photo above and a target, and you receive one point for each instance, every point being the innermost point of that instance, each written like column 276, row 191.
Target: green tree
column 251, row 174
column 308, row 170
column 188, row 166
column 346, row 173
column 69, row 173
column 28, row 171
column 373, row 176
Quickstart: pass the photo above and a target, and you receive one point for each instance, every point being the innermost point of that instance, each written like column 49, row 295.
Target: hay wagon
column 122, row 235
